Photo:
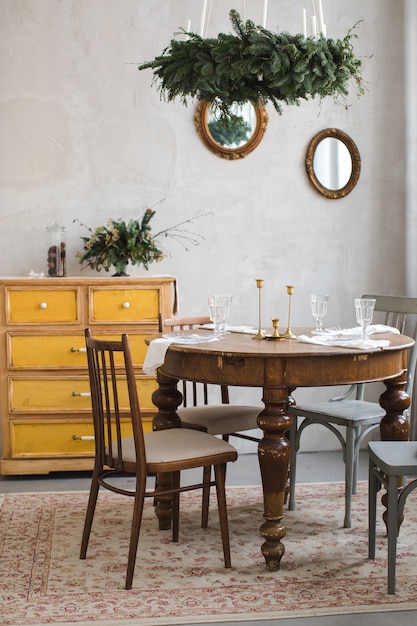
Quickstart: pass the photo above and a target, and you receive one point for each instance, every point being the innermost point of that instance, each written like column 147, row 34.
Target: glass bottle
column 56, row 258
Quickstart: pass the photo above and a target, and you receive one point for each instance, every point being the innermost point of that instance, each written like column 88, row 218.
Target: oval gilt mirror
column 333, row 163
column 231, row 137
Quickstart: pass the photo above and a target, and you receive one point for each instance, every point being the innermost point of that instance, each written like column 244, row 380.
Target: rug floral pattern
column 325, row 569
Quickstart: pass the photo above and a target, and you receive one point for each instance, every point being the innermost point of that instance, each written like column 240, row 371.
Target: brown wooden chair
column 199, row 412
column 114, row 399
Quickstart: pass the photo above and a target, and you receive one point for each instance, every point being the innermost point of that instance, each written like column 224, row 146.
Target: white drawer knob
column 83, row 438
column 74, row 349
column 83, row 394
column 126, row 305
column 43, row 305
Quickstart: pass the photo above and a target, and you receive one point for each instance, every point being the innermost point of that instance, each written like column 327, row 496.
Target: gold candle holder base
column 289, row 334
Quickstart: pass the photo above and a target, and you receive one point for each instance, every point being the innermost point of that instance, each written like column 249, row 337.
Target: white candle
column 313, row 26
column 320, row 20
column 203, row 18
column 264, row 12
column 305, row 22
column 324, row 30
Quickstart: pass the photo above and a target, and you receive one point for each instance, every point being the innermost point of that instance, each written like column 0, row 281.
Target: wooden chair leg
column 91, row 507
column 175, row 507
column 219, row 472
column 206, row 497
column 134, row 535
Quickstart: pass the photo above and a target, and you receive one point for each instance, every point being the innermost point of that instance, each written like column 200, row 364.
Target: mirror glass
column 333, row 163
column 232, row 137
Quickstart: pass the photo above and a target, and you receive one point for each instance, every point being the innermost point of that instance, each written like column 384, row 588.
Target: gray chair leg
column 392, row 529
column 349, row 475
column 372, row 494
column 356, row 460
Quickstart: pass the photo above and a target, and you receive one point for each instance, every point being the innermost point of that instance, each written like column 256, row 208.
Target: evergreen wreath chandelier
column 257, row 65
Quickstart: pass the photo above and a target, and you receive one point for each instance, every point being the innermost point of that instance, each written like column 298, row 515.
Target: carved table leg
column 394, row 425
column 167, row 399
column 274, row 456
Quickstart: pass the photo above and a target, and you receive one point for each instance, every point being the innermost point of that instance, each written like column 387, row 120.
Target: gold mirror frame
column 201, row 124
column 333, row 194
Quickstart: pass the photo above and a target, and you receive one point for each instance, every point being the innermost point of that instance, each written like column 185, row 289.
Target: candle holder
column 275, row 336
column 288, row 333
column 260, row 334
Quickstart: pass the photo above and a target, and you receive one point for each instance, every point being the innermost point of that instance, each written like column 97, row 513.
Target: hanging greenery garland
column 256, row 64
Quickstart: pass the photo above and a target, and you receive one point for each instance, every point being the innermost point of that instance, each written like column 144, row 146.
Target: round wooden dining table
column 279, row 367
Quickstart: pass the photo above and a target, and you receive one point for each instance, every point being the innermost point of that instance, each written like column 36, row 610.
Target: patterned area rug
column 325, row 570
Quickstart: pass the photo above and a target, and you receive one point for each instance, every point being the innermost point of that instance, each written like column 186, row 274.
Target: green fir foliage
column 256, row 64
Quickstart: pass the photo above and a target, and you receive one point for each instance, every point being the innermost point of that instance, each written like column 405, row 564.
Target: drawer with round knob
column 57, row 438
column 42, row 306
column 121, row 306
column 57, row 351
column 67, row 395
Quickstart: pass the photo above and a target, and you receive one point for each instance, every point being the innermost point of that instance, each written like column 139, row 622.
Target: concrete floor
column 312, row 467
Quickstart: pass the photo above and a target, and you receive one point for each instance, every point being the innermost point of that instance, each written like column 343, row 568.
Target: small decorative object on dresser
column 45, row 402
column 56, row 259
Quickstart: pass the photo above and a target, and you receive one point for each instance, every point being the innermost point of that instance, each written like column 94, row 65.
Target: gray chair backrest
column 401, row 312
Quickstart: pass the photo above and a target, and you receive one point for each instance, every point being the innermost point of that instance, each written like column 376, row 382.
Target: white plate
column 194, row 338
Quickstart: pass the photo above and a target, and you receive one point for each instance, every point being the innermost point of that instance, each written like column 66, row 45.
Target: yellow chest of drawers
column 44, row 389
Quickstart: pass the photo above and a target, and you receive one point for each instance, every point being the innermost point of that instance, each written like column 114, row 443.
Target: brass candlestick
column 275, row 324
column 288, row 333
column 260, row 334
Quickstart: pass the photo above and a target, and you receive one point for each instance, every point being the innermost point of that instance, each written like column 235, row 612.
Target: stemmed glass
column 319, row 310
column 228, row 300
column 218, row 307
column 364, row 311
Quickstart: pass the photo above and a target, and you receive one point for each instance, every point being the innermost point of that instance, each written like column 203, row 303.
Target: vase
column 120, row 268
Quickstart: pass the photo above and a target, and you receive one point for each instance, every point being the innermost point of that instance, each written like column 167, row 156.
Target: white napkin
column 373, row 329
column 351, row 337
column 329, row 340
column 155, row 355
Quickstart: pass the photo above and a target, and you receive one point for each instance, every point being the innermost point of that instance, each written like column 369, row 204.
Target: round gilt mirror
column 235, row 136
column 333, row 163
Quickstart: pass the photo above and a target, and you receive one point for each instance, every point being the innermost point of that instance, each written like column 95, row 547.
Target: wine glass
column 364, row 311
column 319, row 310
column 228, row 302
column 218, row 309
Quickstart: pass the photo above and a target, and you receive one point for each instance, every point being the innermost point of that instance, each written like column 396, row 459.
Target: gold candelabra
column 260, row 334
column 288, row 333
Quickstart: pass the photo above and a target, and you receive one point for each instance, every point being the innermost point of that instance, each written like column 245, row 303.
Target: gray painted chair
column 357, row 417
column 389, row 463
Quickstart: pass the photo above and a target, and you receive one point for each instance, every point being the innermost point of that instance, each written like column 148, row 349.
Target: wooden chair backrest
column 114, row 400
